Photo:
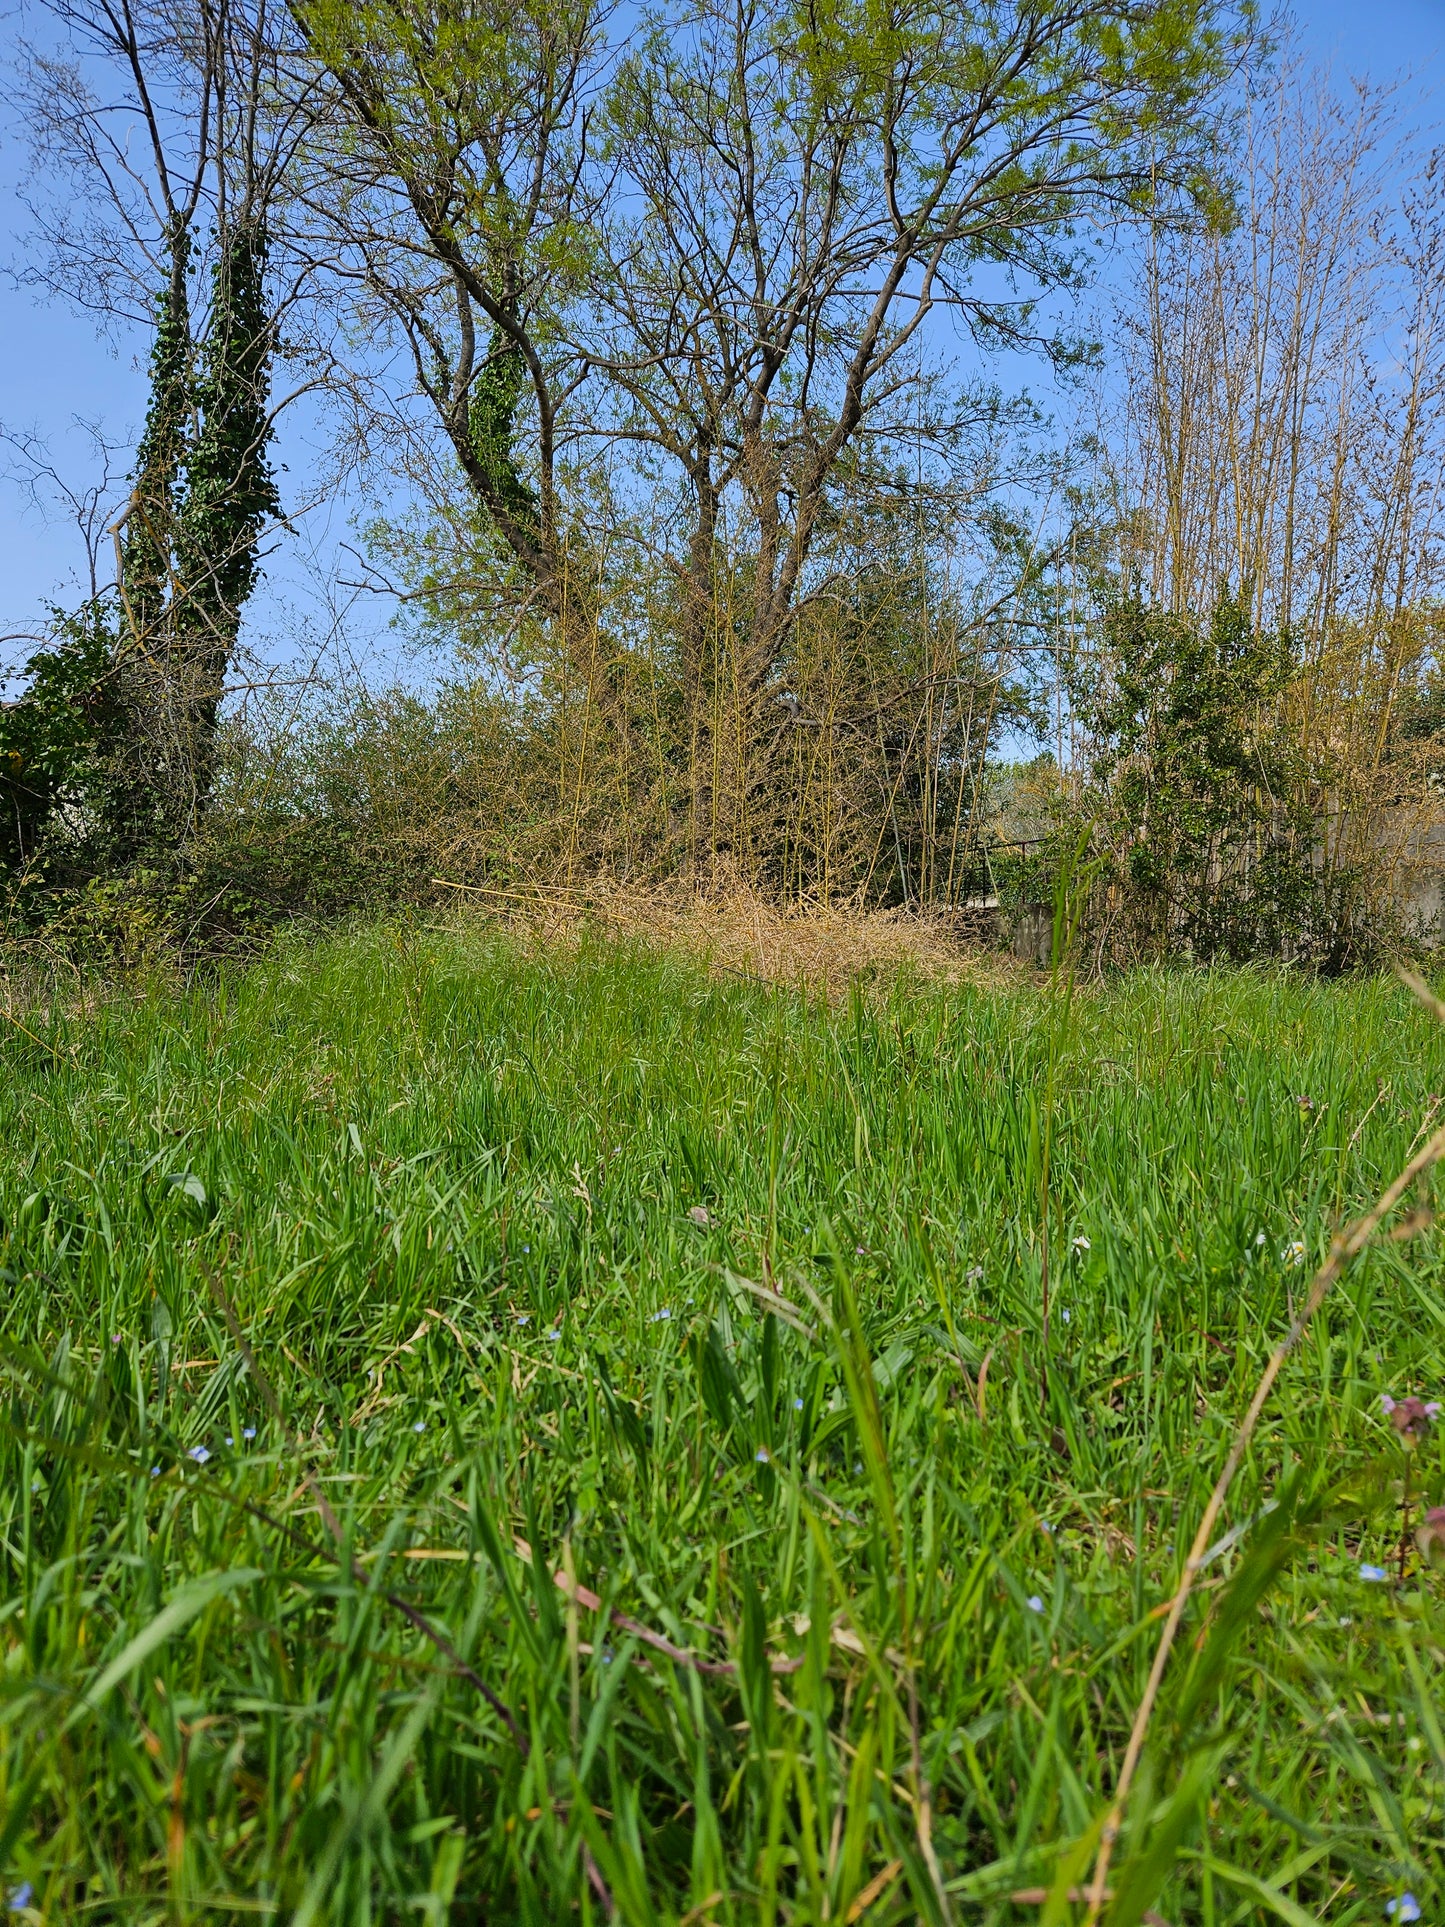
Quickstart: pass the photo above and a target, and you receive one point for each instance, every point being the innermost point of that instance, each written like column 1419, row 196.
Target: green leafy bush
column 1203, row 799
column 56, row 741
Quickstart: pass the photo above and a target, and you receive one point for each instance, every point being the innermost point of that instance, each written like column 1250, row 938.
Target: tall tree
column 162, row 145
column 453, row 193
column 816, row 201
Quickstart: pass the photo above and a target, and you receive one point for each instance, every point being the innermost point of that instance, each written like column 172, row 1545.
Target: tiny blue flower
column 763, row 1455
column 658, row 1316
column 1373, row 1572
column 1034, row 1603
column 554, row 1334
column 526, row 1247
column 155, row 1472
column 524, row 1317
column 1044, row 1526
column 420, row 1425
column 229, row 1439
column 605, row 1657
column 199, row 1454
column 248, row 1431
column 22, row 1896
column 1405, row 1908
column 797, row 1405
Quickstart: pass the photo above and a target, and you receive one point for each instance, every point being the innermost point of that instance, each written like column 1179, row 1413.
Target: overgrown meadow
column 494, row 1435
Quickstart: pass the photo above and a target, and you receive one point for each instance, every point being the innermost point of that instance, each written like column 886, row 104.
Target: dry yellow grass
column 820, row 948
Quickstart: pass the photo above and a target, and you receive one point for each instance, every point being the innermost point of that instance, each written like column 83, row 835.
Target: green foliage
column 345, row 809
column 444, row 1188
column 107, row 758
column 1205, row 800
column 55, row 743
column 496, row 395
column 471, row 116
column 203, row 492
column 149, row 540
column 230, row 491
column 1418, row 726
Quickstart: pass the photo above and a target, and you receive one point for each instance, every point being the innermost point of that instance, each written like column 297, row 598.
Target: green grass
column 444, row 1189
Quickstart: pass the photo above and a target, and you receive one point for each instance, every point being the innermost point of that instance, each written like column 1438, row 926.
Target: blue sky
column 54, row 372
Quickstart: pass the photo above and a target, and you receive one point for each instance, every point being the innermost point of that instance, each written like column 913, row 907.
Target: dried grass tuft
column 811, row 946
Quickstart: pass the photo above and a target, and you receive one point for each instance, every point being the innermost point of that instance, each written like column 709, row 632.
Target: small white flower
column 1345, row 1620
column 1081, row 1243
column 972, row 1277
column 199, row 1454
column 1067, row 1315
column 420, row 1425
column 1034, row 1603
column 1259, row 1237
column 1294, row 1254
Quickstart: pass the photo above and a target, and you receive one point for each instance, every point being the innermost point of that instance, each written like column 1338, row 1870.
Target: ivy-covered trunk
column 146, row 761
column 230, row 494
column 203, row 492
column 150, row 526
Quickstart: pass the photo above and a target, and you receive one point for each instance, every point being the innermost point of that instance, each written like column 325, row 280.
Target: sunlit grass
column 505, row 1235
